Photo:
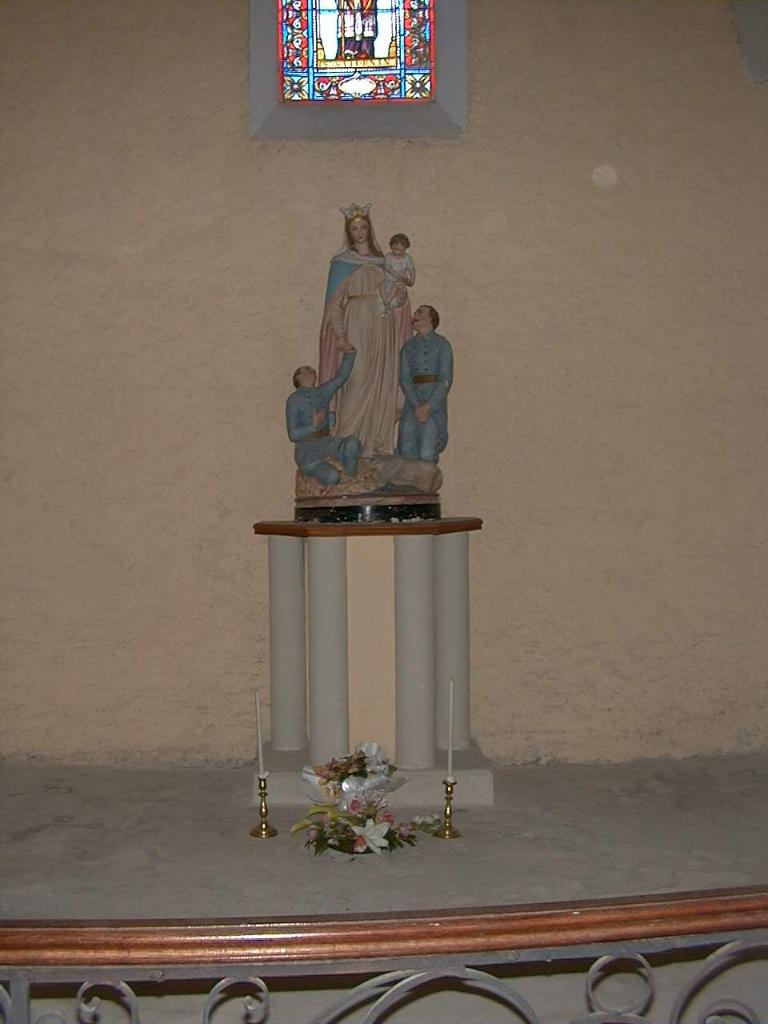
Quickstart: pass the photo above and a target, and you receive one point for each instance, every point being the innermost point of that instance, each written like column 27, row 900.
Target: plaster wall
column 164, row 275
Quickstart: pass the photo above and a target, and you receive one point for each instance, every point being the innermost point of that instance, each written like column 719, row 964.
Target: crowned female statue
column 367, row 405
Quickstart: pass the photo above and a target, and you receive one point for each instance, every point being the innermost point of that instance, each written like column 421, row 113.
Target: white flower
column 373, row 834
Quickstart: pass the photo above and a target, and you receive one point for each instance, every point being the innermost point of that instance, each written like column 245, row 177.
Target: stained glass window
column 356, row 51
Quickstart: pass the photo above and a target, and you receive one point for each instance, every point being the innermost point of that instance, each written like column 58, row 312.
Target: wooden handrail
column 380, row 936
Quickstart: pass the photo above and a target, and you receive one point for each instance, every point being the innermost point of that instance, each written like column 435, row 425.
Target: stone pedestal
column 387, row 608
column 422, row 793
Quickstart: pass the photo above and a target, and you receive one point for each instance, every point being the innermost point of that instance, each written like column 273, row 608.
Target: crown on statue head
column 356, row 210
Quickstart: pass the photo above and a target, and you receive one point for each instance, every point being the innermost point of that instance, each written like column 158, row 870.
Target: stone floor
column 103, row 843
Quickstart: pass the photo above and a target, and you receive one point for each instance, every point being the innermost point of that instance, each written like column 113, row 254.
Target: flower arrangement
column 363, row 828
column 351, row 814
column 364, row 774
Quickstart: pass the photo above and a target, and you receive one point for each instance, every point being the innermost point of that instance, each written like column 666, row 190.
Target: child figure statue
column 400, row 274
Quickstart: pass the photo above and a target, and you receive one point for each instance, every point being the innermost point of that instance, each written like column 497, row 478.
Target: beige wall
column 164, row 275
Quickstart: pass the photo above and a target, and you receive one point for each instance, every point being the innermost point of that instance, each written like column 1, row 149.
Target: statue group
column 369, row 427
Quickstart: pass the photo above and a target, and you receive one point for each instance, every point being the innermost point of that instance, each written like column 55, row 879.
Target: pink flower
column 382, row 812
column 356, row 806
column 312, row 834
column 405, row 830
column 361, row 844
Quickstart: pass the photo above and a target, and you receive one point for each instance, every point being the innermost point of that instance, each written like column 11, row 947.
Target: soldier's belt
column 426, row 378
column 317, row 435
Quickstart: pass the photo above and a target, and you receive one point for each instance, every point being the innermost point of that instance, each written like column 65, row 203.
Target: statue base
column 385, row 489
column 361, row 508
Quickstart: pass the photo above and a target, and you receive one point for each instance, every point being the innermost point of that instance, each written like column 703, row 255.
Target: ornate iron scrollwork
column 726, row 1010
column 5, row 1004
column 389, row 990
column 87, row 1002
column 256, row 1010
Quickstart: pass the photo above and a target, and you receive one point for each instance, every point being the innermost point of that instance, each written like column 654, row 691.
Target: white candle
column 262, row 773
column 450, row 732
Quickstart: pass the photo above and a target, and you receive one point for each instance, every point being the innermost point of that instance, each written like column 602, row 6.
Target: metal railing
column 483, row 951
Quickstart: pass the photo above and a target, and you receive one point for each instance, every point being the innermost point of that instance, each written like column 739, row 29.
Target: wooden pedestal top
column 289, row 528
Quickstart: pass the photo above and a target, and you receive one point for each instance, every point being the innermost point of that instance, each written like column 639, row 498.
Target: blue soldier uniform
column 426, row 375
column 312, row 445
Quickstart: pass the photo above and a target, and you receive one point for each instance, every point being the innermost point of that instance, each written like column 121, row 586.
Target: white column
column 287, row 653
column 414, row 652
column 452, row 637
column 328, row 676
column 371, row 624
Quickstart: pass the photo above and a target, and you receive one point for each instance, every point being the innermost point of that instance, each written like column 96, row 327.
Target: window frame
column 444, row 116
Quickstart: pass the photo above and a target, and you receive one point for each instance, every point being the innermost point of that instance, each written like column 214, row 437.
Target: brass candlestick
column 263, row 830
column 447, row 831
